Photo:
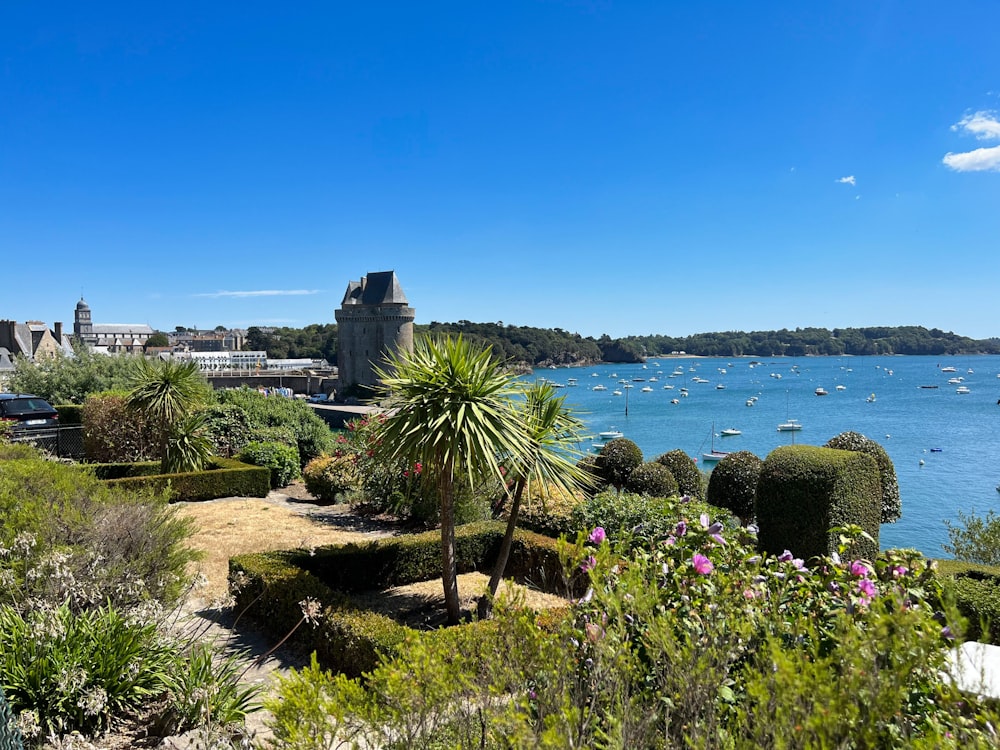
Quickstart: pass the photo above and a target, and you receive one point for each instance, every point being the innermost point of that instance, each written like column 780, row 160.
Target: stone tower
column 374, row 318
column 83, row 326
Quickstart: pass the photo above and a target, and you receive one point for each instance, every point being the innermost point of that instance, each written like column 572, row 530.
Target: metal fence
column 64, row 442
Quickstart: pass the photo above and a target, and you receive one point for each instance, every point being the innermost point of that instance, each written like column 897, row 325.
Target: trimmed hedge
column 804, row 491
column 270, row 586
column 690, row 481
column 69, row 413
column 123, row 470
column 225, row 478
column 733, row 484
column 976, row 592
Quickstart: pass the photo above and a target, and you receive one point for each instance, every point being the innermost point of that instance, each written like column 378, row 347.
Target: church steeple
column 83, row 326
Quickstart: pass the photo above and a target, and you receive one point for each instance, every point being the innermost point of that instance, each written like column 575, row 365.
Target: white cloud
column 849, row 180
column 980, row 160
column 261, row 293
column 984, row 126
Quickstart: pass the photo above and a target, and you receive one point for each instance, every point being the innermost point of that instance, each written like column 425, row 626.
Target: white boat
column 668, row 387
column 571, row 382
column 963, row 389
column 699, row 380
column 948, row 369
column 675, row 400
column 646, row 389
column 871, row 399
column 713, row 456
column 841, row 387
column 750, row 402
column 610, row 435
column 720, row 387
column 792, row 425
column 600, row 387
column 955, row 381
column 730, row 431
column 616, row 393
column 821, row 391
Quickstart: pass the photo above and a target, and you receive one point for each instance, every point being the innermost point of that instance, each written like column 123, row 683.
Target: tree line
column 539, row 347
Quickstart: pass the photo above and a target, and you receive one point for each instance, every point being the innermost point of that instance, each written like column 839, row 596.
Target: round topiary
column 616, row 461
column 327, row 478
column 733, row 484
column 689, row 480
column 282, row 460
column 651, row 479
column 855, row 441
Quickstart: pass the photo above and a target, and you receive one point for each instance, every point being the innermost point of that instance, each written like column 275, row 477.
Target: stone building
column 374, row 318
column 108, row 337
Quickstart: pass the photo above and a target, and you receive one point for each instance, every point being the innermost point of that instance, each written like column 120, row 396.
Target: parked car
column 25, row 412
column 319, row 398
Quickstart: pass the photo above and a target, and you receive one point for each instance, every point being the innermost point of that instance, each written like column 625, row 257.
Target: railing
column 64, row 442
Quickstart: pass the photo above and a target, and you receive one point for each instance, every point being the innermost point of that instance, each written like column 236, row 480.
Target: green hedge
column 268, row 587
column 225, row 478
column 125, row 469
column 400, row 561
column 69, row 413
column 804, row 491
column 976, row 592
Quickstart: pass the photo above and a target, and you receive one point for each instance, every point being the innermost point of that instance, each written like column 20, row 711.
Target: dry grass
column 234, row 526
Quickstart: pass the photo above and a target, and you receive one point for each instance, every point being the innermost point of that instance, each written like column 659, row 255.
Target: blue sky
column 601, row 167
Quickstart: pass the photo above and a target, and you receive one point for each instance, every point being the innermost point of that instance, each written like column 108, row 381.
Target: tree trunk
column 485, row 608
column 449, row 567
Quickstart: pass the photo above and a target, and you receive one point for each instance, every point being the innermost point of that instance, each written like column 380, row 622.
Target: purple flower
column 785, row 556
column 947, row 634
column 866, row 588
column 859, row 569
column 899, row 570
column 715, row 528
column 704, row 520
column 685, row 499
column 597, row 536
column 680, row 529
column 588, row 564
column 718, row 539
column 753, row 528
column 702, row 565
column 670, row 541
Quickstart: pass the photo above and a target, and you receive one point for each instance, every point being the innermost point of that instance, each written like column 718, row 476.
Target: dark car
column 27, row 413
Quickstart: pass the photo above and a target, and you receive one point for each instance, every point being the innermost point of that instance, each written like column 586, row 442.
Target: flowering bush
column 328, row 478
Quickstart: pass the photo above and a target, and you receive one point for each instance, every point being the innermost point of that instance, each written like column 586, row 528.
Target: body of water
column 945, row 445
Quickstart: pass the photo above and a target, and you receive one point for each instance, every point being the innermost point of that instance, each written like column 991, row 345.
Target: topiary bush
column 804, row 492
column 228, row 427
column 617, row 460
column 733, row 484
column 854, row 441
column 690, row 481
column 652, row 479
column 282, row 460
column 329, row 478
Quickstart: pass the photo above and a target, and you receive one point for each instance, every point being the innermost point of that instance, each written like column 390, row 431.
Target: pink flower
column 594, row 632
column 899, row 570
column 597, row 536
column 588, row 564
column 866, row 588
column 702, row 565
column 859, row 569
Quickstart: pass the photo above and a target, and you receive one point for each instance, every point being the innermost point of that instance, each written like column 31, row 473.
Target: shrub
column 853, row 441
column 976, row 540
column 228, row 427
column 690, row 481
column 616, row 461
column 76, row 671
column 805, row 493
column 188, row 446
column 85, row 542
column 282, row 460
column 590, row 464
column 312, row 437
column 975, row 589
column 733, row 484
column 113, row 433
column 329, row 478
column 653, row 479
column 69, row 414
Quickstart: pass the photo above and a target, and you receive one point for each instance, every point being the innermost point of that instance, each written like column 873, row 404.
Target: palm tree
column 551, row 430
column 450, row 410
column 167, row 392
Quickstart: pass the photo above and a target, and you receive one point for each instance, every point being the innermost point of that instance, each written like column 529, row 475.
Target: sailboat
column 713, row 456
column 789, row 425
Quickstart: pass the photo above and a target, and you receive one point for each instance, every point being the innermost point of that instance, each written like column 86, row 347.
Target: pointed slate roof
column 377, row 288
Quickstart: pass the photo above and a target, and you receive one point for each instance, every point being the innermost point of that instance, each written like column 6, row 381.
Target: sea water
column 945, row 446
